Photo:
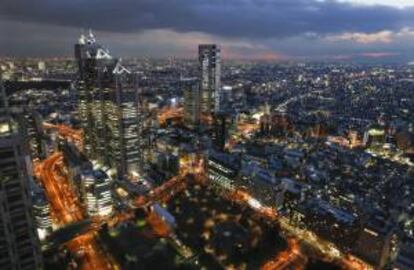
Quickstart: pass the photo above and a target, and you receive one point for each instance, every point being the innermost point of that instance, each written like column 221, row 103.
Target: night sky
column 255, row 29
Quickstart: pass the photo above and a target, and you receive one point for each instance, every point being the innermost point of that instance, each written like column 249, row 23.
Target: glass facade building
column 19, row 245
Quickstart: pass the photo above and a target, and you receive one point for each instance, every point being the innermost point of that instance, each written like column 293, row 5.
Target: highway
column 177, row 113
column 170, row 113
column 327, row 250
column 70, row 134
column 285, row 259
column 66, row 209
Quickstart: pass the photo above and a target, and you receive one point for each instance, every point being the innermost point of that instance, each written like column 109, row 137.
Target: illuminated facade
column 34, row 130
column 223, row 170
column 191, row 92
column 108, row 108
column 41, row 212
column 209, row 57
column 96, row 192
column 127, row 155
column 86, row 51
column 222, row 124
column 261, row 184
column 19, row 246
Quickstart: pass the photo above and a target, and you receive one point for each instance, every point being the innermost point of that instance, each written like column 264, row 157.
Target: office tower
column 92, row 60
column 19, row 246
column 191, row 91
column 223, row 170
column 41, row 213
column 222, row 123
column 209, row 67
column 124, row 123
column 96, row 193
column 108, row 108
column 34, row 134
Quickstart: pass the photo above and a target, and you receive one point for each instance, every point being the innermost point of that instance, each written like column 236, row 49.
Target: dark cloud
column 245, row 28
column 226, row 18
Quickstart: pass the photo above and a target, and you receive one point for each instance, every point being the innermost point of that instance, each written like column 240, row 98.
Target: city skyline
column 377, row 30
column 131, row 137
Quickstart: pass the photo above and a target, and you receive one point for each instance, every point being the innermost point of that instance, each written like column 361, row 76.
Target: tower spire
column 91, row 37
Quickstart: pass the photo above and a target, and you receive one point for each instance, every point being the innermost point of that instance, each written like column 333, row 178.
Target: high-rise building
column 34, row 134
column 108, row 108
column 19, row 245
column 210, row 71
column 96, row 192
column 223, row 169
column 41, row 213
column 191, row 92
column 123, row 116
column 92, row 60
column 222, row 123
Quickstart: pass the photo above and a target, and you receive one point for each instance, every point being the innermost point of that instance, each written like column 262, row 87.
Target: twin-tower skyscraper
column 109, row 107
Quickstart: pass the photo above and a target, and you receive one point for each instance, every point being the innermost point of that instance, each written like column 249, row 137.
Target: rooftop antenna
column 91, row 37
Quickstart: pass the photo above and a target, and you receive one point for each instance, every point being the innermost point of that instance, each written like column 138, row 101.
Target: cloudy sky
column 248, row 29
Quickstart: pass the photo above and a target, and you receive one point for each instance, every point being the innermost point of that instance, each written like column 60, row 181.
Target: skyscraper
column 34, row 134
column 93, row 60
column 19, row 246
column 191, row 92
column 221, row 126
column 108, row 108
column 124, row 122
column 210, row 69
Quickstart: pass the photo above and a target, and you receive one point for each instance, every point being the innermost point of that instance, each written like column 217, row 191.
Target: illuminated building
column 221, row 124
column 89, row 56
column 265, row 124
column 75, row 161
column 294, row 194
column 191, row 92
column 223, row 169
column 374, row 137
column 210, row 71
column 96, row 192
column 261, row 184
column 41, row 212
column 353, row 138
column 108, row 108
column 331, row 223
column 41, row 66
column 19, row 246
column 124, row 124
column 34, row 135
